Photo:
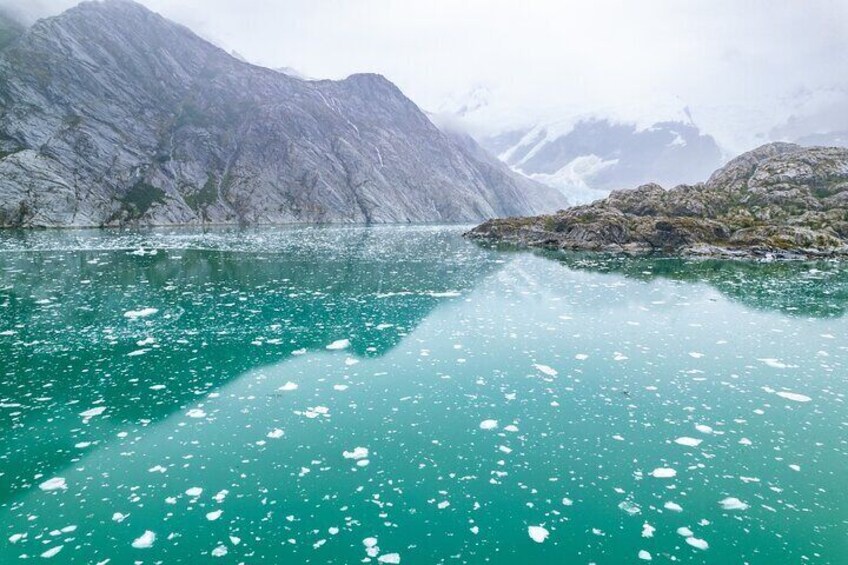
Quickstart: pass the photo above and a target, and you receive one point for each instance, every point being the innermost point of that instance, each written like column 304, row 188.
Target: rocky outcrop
column 112, row 115
column 780, row 200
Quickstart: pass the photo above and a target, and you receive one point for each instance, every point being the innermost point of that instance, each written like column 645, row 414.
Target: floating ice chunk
column 339, row 344
column 196, row 413
column 795, row 467
column 145, row 541
column 644, row 555
column 745, row 441
column 776, row 364
column 316, row 411
column 288, row 387
column 697, row 543
column 663, row 473
column 685, row 532
column 546, row 370
column 733, row 503
column 276, row 433
column 157, row 469
column 648, row 530
column 52, row 551
column 55, row 483
column 141, row 313
column 92, row 412
column 704, row 429
column 357, row 453
column 538, row 533
column 369, row 542
column 340, row 388
column 15, row 538
column 194, row 492
column 219, row 498
column 118, row 517
column 511, row 428
column 688, row 441
column 220, row 551
column 389, row 558
column 443, row 504
column 333, row 531
column 794, row 396
column 214, row 515
column 446, row 294
column 581, row 356
column 488, row 424
column 673, row 506
column 695, row 355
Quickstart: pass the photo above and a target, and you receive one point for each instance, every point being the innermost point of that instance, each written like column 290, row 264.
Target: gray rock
column 113, row 115
column 780, row 200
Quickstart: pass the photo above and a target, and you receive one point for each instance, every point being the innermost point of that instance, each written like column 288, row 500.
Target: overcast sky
column 748, row 70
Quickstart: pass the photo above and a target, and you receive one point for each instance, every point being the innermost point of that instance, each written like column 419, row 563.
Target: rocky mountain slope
column 111, row 114
column 779, row 200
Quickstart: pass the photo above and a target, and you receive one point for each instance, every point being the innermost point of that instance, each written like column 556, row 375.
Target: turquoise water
column 338, row 395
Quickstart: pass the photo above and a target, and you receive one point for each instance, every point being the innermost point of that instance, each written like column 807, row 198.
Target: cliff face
column 111, row 115
column 780, row 199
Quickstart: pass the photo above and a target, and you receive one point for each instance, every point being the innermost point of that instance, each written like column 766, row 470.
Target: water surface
column 336, row 395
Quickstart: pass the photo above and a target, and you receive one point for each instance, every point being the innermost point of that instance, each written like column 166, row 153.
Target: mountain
column 781, row 200
column 588, row 159
column 113, row 115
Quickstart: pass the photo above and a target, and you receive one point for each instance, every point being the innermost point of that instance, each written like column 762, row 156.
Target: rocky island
column 780, row 200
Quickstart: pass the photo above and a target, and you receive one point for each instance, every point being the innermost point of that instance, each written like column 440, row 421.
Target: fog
column 746, row 72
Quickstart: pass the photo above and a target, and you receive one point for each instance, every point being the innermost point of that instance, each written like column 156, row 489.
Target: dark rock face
column 780, row 199
column 113, row 115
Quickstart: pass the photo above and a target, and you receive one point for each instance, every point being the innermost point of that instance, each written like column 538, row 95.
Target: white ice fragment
column 214, row 515
column 141, row 313
column 145, row 541
column 648, row 530
column 52, row 551
column 688, row 441
column 118, row 517
column 389, row 558
column 794, row 396
column 546, row 370
column 357, row 453
column 776, row 364
column 581, row 356
column 339, row 344
column 92, row 412
column 55, row 483
column 196, row 413
column 538, row 533
column 220, row 551
column 663, row 473
column 733, row 503
column 697, row 543
column 673, row 506
column 288, row 387
column 194, row 492
column 644, row 555
column 276, row 433
column 488, row 424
